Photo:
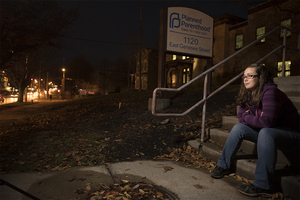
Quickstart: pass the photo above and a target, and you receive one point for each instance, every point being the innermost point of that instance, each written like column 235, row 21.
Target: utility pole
column 47, row 85
column 140, row 54
column 39, row 90
column 63, row 81
column 26, row 63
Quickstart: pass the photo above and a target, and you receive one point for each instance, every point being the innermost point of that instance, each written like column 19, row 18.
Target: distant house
column 232, row 33
column 149, row 69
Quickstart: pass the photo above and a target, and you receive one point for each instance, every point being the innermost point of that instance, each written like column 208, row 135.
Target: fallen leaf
column 136, row 186
column 168, row 168
column 159, row 194
column 127, row 195
column 142, row 192
column 88, row 188
column 198, row 186
column 238, row 178
column 41, row 183
column 165, row 121
column 114, row 193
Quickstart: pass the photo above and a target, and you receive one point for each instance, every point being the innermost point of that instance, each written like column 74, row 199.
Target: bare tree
column 21, row 72
column 104, row 77
column 28, row 25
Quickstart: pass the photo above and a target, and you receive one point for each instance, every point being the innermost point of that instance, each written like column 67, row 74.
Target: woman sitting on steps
column 267, row 117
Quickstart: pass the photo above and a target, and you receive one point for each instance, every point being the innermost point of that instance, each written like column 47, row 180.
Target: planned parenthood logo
column 174, row 20
column 177, row 20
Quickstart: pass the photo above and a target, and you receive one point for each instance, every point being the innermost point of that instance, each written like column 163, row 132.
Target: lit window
column 286, row 23
column 185, row 75
column 239, row 41
column 260, row 32
column 174, row 57
column 287, row 69
column 173, row 79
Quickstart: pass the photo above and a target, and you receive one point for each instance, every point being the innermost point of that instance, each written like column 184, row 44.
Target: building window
column 185, row 75
column 145, row 66
column 287, row 68
column 144, row 83
column 239, row 41
column 260, row 32
column 174, row 57
column 173, row 78
column 286, row 23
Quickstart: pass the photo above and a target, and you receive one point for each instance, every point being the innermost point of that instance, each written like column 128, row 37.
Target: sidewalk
column 185, row 182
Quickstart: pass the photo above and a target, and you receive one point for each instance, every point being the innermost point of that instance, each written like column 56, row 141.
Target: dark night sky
column 109, row 23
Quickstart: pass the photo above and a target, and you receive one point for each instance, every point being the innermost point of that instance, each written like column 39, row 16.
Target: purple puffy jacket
column 276, row 110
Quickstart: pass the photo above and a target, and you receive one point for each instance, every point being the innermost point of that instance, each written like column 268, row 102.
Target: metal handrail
column 205, row 97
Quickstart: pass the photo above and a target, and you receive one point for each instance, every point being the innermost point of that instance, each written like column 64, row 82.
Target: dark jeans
column 268, row 141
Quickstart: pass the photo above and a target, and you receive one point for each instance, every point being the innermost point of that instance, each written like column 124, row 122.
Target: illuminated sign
column 189, row 31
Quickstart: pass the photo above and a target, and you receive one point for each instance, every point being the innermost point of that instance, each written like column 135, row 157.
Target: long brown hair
column 246, row 95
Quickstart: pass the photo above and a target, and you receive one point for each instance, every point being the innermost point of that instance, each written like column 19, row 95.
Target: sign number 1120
column 191, row 40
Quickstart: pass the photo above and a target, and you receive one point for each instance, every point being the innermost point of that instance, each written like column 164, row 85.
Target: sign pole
column 140, row 46
column 162, row 47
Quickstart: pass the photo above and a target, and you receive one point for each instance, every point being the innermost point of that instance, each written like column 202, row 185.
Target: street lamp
column 63, row 83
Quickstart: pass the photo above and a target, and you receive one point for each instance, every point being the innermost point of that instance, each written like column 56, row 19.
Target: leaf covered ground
column 101, row 129
column 107, row 129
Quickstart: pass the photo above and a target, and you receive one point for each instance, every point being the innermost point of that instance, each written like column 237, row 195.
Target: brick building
column 231, row 34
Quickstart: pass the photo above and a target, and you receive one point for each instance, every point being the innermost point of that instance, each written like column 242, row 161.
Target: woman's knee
column 267, row 132
column 239, row 130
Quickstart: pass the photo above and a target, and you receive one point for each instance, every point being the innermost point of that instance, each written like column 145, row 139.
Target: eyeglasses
column 249, row 76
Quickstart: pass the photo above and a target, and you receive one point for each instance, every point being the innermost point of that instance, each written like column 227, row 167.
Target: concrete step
column 296, row 102
column 220, row 135
column 287, row 81
column 245, row 165
column 290, row 91
column 229, row 121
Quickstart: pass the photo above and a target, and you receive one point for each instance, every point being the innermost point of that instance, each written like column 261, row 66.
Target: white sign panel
column 189, row 31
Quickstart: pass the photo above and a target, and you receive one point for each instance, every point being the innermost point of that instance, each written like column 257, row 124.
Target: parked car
column 14, row 94
column 1, row 98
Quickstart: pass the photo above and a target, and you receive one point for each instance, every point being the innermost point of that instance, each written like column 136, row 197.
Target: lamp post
column 63, row 84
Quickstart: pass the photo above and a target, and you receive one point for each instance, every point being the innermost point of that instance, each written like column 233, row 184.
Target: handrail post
column 283, row 53
column 204, row 110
